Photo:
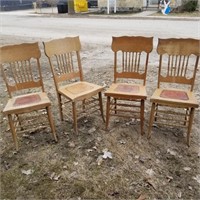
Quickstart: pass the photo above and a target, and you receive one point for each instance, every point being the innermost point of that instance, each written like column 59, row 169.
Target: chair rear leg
column 142, row 117
column 107, row 112
column 187, row 112
column 60, row 106
column 50, row 118
column 191, row 117
column 115, row 102
column 101, row 106
column 13, row 131
column 75, row 117
column 151, row 120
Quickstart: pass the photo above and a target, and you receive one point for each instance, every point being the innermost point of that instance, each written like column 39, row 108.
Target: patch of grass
column 182, row 14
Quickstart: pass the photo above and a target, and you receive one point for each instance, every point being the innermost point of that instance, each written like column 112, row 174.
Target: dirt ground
column 160, row 168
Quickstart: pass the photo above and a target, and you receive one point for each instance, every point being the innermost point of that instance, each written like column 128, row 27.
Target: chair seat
column 126, row 90
column 178, row 98
column 79, row 90
column 27, row 103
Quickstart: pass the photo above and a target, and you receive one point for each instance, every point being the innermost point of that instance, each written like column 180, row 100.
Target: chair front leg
column 191, row 117
column 151, row 120
column 74, row 117
column 101, row 106
column 107, row 112
column 13, row 131
column 115, row 102
column 50, row 118
column 142, row 117
column 60, row 106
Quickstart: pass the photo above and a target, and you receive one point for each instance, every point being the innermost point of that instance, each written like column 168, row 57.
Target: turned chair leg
column 75, row 117
column 151, row 120
column 13, row 131
column 50, row 118
column 107, row 112
column 60, row 106
column 101, row 106
column 191, row 117
column 142, row 117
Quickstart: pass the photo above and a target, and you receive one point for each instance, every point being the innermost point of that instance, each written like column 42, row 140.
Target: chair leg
column 60, row 106
column 190, row 125
column 187, row 112
column 101, row 106
column 13, row 131
column 107, row 112
column 74, row 117
column 142, row 117
column 156, row 114
column 83, row 104
column 50, row 118
column 115, row 102
column 151, row 120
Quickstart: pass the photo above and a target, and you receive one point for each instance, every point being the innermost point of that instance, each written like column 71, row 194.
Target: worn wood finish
column 131, row 55
column 21, row 71
column 65, row 62
column 178, row 65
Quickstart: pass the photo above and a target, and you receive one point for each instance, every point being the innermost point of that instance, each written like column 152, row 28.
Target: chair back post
column 40, row 74
column 79, row 65
column 115, row 67
column 194, row 75
column 146, row 65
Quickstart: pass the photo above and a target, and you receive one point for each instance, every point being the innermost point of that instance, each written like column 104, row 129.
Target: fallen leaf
column 150, row 172
column 169, row 178
column 187, row 168
column 27, row 172
column 179, row 195
column 71, row 144
column 54, row 176
column 151, row 183
column 99, row 160
column 92, row 130
column 107, row 154
column 197, row 178
column 171, row 152
column 142, row 197
column 190, row 187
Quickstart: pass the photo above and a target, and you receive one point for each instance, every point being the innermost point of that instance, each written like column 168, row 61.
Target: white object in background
column 111, row 3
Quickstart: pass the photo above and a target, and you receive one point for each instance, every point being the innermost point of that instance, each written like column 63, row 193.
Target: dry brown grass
column 69, row 169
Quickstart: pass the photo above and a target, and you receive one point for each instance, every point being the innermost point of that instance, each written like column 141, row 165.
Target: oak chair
column 126, row 96
column 173, row 102
column 22, row 74
column 65, row 62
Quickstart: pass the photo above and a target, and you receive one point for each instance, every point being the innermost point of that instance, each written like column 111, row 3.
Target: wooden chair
column 64, row 59
column 173, row 103
column 125, row 99
column 22, row 74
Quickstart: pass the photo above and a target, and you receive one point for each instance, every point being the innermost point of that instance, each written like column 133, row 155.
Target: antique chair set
column 171, row 106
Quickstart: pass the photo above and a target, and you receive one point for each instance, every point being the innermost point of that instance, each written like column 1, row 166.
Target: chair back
column 178, row 61
column 131, row 54
column 64, row 59
column 21, row 67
